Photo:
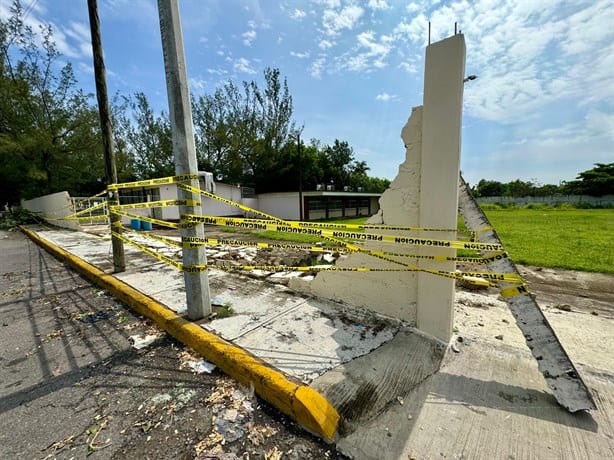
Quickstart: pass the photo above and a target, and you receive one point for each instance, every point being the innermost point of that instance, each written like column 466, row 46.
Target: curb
column 302, row 403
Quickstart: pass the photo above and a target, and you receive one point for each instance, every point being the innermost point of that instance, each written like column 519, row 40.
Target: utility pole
column 184, row 150
column 119, row 263
column 300, row 177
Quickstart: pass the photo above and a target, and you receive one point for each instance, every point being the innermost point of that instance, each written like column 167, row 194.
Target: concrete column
column 180, row 114
column 441, row 142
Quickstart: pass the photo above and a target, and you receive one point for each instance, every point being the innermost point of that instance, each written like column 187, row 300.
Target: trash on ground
column 90, row 318
column 201, row 366
column 140, row 342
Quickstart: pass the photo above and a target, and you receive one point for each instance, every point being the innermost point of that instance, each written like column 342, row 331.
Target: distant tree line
column 50, row 135
column 598, row 181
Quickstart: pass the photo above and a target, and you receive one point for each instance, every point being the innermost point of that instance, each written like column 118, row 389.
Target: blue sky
column 541, row 109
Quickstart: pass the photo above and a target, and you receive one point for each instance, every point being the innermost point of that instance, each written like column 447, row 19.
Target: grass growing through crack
column 224, row 311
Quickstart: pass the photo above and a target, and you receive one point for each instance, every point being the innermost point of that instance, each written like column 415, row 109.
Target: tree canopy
column 244, row 134
column 49, row 132
column 597, row 181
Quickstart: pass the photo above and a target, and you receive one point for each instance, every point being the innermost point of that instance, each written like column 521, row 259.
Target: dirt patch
column 579, row 291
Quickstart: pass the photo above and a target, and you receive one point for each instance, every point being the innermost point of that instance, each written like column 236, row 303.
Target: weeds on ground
column 224, row 311
column 16, row 217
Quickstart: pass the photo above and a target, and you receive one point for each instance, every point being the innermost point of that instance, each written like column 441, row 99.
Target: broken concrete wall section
column 424, row 194
column 392, row 294
column 53, row 208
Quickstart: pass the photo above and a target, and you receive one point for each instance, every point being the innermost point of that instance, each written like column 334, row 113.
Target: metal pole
column 119, row 263
column 184, row 150
column 300, row 177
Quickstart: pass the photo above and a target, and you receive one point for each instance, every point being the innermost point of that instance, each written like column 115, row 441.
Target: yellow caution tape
column 513, row 277
column 101, row 218
column 154, row 204
column 147, row 219
column 160, row 181
column 76, row 215
column 303, row 224
column 149, row 251
column 520, row 289
column 242, row 207
column 290, row 227
column 330, row 231
column 161, row 239
column 192, row 242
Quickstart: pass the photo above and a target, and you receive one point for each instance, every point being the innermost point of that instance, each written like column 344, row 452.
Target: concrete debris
column 218, row 300
column 139, row 342
column 201, row 366
column 273, row 454
column 329, row 258
column 233, row 409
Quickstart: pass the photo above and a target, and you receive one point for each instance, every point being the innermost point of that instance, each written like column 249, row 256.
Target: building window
column 316, row 204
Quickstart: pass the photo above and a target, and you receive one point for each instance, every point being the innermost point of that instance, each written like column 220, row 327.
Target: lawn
column 575, row 239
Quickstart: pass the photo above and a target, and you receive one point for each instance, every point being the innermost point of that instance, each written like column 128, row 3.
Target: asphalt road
column 72, row 385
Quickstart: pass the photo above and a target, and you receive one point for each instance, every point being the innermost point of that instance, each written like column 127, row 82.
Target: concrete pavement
column 398, row 394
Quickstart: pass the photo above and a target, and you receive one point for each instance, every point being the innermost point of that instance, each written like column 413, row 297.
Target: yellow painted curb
column 305, row 405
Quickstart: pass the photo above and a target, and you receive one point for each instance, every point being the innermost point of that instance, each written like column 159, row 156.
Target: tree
column 240, row 134
column 148, row 141
column 376, row 185
column 49, row 134
column 489, row 188
column 519, row 188
column 336, row 163
column 597, row 181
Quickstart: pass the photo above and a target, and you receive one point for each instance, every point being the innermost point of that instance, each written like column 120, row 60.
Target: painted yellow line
column 305, row 405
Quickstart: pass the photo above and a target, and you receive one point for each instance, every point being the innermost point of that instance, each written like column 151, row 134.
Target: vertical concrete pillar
column 441, row 142
column 424, row 194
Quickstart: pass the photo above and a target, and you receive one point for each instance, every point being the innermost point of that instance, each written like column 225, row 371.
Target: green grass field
column 575, row 239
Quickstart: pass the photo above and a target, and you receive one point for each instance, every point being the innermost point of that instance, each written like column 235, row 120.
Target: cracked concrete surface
column 402, row 395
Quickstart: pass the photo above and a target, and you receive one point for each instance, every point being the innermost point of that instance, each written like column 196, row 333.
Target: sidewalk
column 399, row 394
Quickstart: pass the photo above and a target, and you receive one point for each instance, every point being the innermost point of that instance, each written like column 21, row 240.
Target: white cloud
column 378, row 5
column 329, row 3
column 325, row 44
column 335, row 21
column 86, row 68
column 527, row 54
column 412, row 7
column 385, row 97
column 304, row 55
column 72, row 40
column 371, row 52
column 317, row 67
column 249, row 37
column 298, row 14
column 408, row 67
column 243, row 65
column 197, row 84
column 81, row 38
column 415, row 30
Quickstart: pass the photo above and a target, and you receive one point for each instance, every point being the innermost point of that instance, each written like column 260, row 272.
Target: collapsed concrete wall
column 424, row 194
column 53, row 208
column 389, row 293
